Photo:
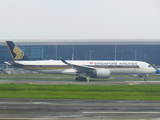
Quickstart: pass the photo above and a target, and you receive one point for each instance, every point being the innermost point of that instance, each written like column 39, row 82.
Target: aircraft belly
column 145, row 71
column 123, row 71
column 58, row 71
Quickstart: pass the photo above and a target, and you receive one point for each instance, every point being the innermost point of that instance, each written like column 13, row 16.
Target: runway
column 70, row 80
column 91, row 82
column 78, row 109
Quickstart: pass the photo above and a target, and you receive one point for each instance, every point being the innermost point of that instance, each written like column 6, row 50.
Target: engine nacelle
column 102, row 73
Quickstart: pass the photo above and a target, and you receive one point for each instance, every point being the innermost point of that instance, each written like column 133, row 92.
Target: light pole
column 115, row 52
column 56, row 52
column 144, row 57
column 42, row 53
column 135, row 55
column 90, row 54
column 73, row 52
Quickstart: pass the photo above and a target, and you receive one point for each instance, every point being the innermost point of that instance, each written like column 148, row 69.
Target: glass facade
column 148, row 53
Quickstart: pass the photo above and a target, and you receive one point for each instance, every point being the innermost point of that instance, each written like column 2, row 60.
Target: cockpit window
column 149, row 65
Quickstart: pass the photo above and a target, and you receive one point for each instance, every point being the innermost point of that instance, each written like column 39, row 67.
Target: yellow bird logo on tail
column 18, row 52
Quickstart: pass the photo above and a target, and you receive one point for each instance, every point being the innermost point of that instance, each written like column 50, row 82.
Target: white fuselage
column 115, row 67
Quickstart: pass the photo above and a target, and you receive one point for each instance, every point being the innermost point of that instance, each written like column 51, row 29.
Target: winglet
column 16, row 52
column 63, row 61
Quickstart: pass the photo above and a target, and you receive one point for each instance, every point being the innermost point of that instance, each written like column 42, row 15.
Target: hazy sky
column 80, row 19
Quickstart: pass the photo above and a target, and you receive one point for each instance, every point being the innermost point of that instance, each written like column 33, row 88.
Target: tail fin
column 16, row 52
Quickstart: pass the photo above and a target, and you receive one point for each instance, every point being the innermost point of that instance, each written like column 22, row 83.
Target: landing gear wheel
column 81, row 79
column 145, row 78
column 84, row 79
column 77, row 78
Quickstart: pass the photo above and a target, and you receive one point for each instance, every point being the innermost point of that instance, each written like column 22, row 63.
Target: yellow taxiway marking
column 130, row 84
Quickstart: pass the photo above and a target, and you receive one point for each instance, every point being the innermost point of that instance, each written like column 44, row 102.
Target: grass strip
column 69, row 91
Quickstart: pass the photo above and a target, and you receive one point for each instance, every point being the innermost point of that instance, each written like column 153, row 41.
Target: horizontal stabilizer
column 14, row 64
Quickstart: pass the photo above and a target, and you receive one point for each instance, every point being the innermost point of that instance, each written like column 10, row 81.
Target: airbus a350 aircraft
column 94, row 69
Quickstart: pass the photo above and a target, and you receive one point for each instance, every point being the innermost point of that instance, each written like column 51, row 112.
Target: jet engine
column 101, row 73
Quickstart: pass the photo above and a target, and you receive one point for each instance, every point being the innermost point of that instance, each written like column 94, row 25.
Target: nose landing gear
column 145, row 78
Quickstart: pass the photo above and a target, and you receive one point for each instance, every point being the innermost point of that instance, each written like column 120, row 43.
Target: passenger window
column 149, row 65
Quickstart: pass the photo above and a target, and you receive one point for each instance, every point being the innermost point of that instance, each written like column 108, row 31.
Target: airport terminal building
column 86, row 49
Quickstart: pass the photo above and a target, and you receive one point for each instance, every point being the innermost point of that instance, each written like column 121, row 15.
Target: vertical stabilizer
column 16, row 52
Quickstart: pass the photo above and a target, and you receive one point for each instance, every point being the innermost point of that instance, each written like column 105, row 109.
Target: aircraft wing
column 79, row 68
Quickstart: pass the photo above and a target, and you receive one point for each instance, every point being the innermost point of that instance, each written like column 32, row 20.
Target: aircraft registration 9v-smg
column 80, row 68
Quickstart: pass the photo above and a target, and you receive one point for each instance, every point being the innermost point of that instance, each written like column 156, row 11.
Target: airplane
column 80, row 68
column 2, row 69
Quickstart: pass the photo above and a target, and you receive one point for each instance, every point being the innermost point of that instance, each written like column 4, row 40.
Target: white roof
column 83, row 41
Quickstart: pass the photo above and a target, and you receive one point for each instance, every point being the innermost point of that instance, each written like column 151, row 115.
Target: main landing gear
column 81, row 78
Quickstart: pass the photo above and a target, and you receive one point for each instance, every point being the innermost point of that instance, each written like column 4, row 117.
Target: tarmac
column 75, row 109
column 78, row 109
column 90, row 82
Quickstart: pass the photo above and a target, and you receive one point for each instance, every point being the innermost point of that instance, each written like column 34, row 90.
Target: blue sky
column 79, row 19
